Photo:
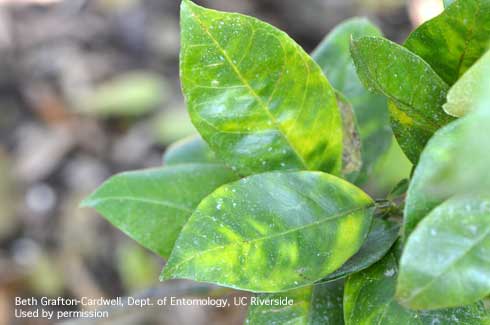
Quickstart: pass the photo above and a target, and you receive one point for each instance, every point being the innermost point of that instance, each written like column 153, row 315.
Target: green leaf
column 319, row 304
column 455, row 161
column 351, row 155
column 255, row 96
column 455, row 39
column 272, row 232
column 462, row 98
column 369, row 299
column 400, row 189
column 152, row 205
column 189, row 150
column 445, row 262
column 415, row 92
column 381, row 237
column 371, row 112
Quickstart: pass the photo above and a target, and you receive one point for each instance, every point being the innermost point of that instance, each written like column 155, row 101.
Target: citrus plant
column 268, row 199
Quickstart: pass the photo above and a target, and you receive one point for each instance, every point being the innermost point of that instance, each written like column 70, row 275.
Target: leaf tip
column 187, row 4
column 86, row 203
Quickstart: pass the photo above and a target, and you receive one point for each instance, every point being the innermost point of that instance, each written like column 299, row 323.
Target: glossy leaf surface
column 371, row 112
column 190, row 150
column 446, row 259
column 312, row 305
column 455, row 39
column 255, row 96
column 415, row 92
column 381, row 237
column 369, row 299
column 455, row 162
column 463, row 96
column 151, row 206
column 272, row 232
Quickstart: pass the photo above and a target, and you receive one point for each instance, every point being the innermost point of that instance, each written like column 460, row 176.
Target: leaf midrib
column 283, row 233
column 468, row 40
column 415, row 115
column 249, row 88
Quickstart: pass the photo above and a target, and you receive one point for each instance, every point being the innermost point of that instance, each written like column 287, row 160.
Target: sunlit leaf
column 381, row 237
column 272, row 232
column 255, row 96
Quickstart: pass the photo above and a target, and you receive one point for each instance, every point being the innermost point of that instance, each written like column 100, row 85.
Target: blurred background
column 89, row 88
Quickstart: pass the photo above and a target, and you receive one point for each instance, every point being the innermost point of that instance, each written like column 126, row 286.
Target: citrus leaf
column 400, row 189
column 369, row 299
column 462, row 98
column 152, row 205
column 455, row 162
column 445, row 262
column 371, row 112
column 351, row 154
column 381, row 237
column 415, row 92
column 189, row 150
column 255, row 96
column 455, row 39
column 272, row 232
column 318, row 304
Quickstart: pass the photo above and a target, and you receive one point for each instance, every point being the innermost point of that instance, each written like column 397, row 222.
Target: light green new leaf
column 371, row 112
column 455, row 161
column 255, row 96
column 443, row 170
column 381, row 237
column 272, row 232
column 312, row 305
column 455, row 39
column 416, row 93
column 463, row 96
column 369, row 299
column 152, row 205
column 446, row 260
column 189, row 150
